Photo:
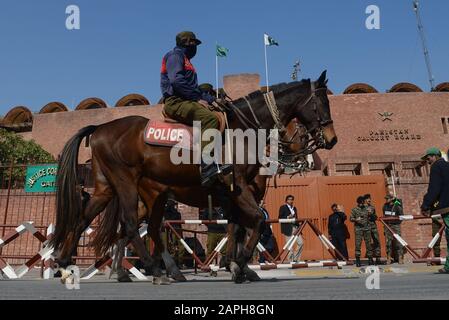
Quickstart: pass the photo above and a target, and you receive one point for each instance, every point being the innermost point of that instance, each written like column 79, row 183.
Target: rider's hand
column 204, row 103
column 425, row 212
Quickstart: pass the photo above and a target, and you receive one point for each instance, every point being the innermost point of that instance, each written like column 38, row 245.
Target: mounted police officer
column 360, row 218
column 182, row 96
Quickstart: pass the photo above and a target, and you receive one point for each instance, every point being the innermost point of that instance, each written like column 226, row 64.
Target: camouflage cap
column 389, row 196
column 431, row 152
column 186, row 37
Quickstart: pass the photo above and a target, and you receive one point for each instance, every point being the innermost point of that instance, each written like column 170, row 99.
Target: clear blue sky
column 119, row 47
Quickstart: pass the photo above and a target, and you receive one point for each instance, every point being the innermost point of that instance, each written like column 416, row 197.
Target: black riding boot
column 209, row 172
column 357, row 262
column 370, row 261
column 378, row 262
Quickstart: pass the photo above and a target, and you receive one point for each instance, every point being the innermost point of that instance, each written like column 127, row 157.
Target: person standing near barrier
column 437, row 223
column 266, row 237
column 393, row 208
column 215, row 232
column 171, row 213
column 337, row 229
column 360, row 218
column 437, row 196
column 374, row 232
column 288, row 211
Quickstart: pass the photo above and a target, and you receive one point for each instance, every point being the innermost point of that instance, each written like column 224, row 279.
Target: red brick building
column 378, row 133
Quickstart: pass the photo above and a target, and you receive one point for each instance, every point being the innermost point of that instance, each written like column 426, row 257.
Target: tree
column 17, row 151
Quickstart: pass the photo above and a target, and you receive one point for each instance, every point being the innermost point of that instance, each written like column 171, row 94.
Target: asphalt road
column 276, row 284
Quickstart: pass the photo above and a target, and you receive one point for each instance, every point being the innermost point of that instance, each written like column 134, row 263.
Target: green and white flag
column 221, row 51
column 269, row 41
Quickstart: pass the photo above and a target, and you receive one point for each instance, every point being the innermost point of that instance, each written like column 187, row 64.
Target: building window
column 412, row 169
column 353, row 169
column 444, row 124
column 385, row 168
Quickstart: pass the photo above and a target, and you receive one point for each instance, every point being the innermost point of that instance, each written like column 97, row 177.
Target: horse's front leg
column 251, row 219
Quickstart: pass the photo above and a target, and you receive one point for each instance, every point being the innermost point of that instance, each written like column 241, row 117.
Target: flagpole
column 216, row 72
column 266, row 62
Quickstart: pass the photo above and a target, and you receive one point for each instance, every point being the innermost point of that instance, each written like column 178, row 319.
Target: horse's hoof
column 161, row 280
column 237, row 275
column 251, row 275
column 179, row 277
column 239, row 278
column 124, row 278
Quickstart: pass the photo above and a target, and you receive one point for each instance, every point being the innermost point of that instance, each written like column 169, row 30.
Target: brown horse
column 295, row 140
column 121, row 161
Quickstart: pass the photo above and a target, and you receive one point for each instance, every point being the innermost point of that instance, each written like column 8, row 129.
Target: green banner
column 41, row 178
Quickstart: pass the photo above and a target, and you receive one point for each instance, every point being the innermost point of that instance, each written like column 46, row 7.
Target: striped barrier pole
column 432, row 242
column 401, row 240
column 128, row 265
column 264, row 252
column 294, row 265
column 25, row 226
column 216, row 251
column 186, row 246
column 291, row 242
column 50, row 260
column 333, row 251
column 7, row 269
column 106, row 260
column 43, row 254
column 432, row 261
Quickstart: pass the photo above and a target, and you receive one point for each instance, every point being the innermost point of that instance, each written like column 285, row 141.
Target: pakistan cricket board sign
column 41, row 178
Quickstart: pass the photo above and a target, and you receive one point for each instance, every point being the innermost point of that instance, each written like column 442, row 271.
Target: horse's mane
column 277, row 89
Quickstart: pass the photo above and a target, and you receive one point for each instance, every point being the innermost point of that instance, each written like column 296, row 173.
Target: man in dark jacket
column 181, row 94
column 266, row 238
column 437, row 196
column 337, row 229
column 288, row 211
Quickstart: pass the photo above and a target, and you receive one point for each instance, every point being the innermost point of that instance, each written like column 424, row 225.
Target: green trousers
column 398, row 250
column 436, row 225
column 213, row 239
column 186, row 111
column 363, row 234
column 375, row 244
column 446, row 231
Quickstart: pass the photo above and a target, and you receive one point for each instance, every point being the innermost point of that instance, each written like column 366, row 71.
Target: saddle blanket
column 168, row 134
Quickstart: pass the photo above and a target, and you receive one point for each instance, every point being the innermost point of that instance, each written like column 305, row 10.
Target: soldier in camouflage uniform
column 374, row 233
column 393, row 208
column 360, row 218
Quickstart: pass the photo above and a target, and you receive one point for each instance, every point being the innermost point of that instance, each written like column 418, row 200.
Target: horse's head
column 314, row 113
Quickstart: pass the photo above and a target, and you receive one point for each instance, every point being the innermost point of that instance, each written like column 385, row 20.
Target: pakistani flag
column 221, row 51
column 269, row 41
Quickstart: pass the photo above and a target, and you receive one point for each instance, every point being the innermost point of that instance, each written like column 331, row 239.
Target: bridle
column 314, row 135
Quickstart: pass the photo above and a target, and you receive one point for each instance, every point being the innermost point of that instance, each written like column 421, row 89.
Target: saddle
column 170, row 132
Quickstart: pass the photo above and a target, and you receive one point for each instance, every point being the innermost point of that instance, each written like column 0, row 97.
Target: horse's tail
column 68, row 198
column 106, row 231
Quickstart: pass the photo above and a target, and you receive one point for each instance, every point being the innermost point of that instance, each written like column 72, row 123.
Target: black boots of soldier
column 210, row 172
column 370, row 262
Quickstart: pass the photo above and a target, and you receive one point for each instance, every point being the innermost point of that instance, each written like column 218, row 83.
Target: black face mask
column 190, row 51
